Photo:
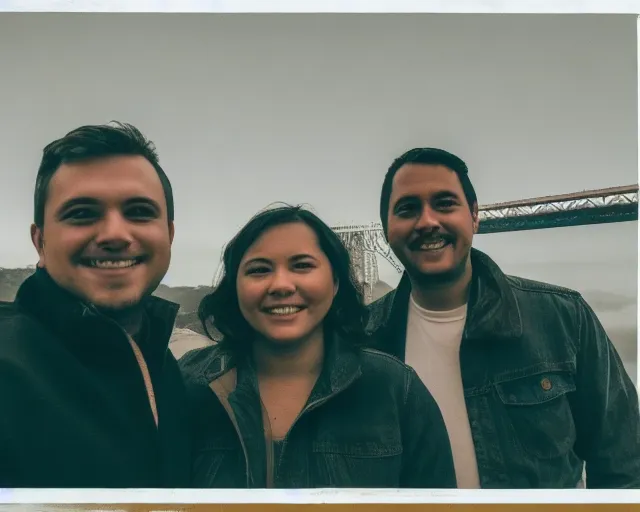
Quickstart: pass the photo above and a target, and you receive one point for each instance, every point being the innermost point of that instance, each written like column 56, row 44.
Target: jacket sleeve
column 427, row 458
column 609, row 420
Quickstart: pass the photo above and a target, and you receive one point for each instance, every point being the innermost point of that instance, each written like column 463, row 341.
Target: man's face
column 430, row 226
column 106, row 236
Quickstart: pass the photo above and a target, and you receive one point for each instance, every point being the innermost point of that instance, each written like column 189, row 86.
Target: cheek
column 395, row 233
column 249, row 296
column 322, row 291
column 60, row 244
column 400, row 227
column 467, row 232
column 461, row 226
column 158, row 237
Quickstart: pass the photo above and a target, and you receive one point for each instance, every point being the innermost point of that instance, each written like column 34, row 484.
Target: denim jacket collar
column 341, row 367
column 493, row 311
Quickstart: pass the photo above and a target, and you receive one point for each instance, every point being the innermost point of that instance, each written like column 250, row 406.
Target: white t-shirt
column 433, row 350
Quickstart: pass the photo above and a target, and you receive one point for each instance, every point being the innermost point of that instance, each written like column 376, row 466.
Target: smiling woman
column 291, row 370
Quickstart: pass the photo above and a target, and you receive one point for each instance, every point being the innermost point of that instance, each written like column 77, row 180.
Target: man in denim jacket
column 530, row 386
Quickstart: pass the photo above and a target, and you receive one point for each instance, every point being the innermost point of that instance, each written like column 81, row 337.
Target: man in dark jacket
column 89, row 393
column 529, row 385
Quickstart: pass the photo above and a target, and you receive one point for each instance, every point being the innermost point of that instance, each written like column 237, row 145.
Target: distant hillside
column 186, row 296
column 625, row 337
column 11, row 279
column 602, row 301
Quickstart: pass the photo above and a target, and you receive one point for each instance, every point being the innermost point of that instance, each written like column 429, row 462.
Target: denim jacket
column 369, row 422
column 545, row 389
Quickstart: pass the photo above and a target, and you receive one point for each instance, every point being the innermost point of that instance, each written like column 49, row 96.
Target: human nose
column 114, row 231
column 282, row 283
column 428, row 220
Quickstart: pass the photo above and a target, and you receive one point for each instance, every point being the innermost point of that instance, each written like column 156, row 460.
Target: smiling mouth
column 283, row 310
column 105, row 264
column 431, row 245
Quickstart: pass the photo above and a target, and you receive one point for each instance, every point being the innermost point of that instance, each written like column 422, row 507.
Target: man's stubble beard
column 123, row 312
column 441, row 279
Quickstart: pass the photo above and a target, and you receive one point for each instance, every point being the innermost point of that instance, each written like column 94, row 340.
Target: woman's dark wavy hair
column 220, row 308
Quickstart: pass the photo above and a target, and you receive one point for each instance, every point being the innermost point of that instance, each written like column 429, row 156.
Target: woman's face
column 285, row 284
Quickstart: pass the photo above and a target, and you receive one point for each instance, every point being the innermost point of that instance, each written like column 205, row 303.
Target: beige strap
column 146, row 377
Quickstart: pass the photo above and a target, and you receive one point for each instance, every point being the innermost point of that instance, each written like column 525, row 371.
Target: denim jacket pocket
column 366, row 464
column 209, row 457
column 539, row 411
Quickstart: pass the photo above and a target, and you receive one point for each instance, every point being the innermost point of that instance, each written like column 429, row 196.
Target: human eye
column 81, row 215
column 304, row 265
column 257, row 270
column 447, row 203
column 141, row 213
column 406, row 209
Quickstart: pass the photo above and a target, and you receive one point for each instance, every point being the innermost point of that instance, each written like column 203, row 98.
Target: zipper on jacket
column 146, row 377
column 268, row 441
column 142, row 364
column 219, row 390
column 269, row 438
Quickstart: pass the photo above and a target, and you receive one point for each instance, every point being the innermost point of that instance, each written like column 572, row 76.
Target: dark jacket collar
column 493, row 311
column 73, row 320
column 493, row 308
column 341, row 366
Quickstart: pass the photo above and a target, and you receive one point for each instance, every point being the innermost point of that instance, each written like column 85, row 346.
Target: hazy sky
column 250, row 109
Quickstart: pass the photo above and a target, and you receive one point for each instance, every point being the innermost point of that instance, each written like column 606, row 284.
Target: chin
column 439, row 275
column 285, row 340
column 434, row 270
column 121, row 303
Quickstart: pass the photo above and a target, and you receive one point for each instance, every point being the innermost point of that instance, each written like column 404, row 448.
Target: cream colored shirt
column 433, row 350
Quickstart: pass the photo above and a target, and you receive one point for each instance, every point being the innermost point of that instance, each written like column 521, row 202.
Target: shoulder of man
column 530, row 291
column 17, row 327
column 530, row 286
column 377, row 313
column 27, row 348
column 8, row 309
column 377, row 364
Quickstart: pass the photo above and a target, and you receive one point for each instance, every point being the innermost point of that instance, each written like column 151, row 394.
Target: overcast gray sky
column 250, row 109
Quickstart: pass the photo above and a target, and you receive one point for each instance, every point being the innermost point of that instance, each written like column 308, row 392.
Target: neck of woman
column 291, row 358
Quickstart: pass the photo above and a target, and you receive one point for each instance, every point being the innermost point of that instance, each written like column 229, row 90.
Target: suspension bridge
column 615, row 204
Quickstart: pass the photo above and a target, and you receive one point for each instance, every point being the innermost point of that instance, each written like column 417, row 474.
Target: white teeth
column 113, row 263
column 284, row 310
column 433, row 245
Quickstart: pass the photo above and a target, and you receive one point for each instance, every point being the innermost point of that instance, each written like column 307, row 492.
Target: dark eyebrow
column 256, row 260
column 92, row 201
column 445, row 194
column 295, row 258
column 299, row 257
column 144, row 200
column 406, row 199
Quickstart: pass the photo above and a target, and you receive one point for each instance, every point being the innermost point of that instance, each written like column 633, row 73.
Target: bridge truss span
column 616, row 204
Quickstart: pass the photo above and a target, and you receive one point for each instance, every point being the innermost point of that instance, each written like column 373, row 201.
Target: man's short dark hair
column 90, row 142
column 427, row 156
